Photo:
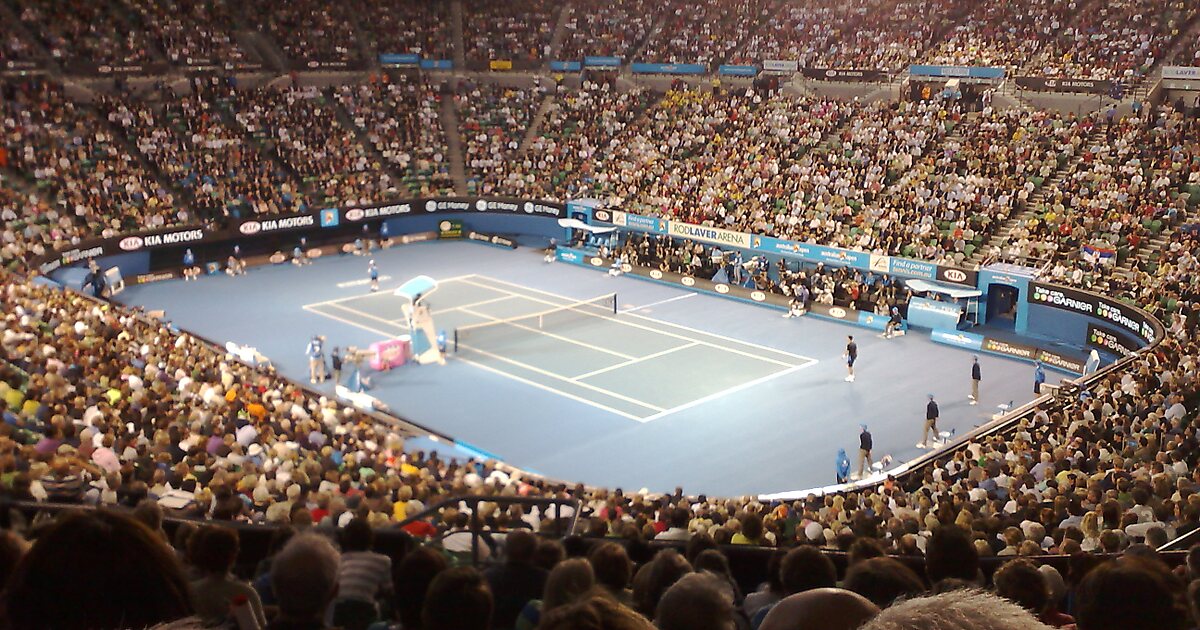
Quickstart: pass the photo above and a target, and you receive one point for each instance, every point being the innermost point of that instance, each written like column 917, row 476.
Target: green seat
column 969, row 250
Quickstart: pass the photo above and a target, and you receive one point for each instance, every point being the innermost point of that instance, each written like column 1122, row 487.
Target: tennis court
column 589, row 351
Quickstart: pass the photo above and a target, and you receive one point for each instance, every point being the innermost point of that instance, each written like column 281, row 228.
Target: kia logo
column 688, row 281
column 758, row 296
column 722, row 288
column 354, row 214
column 954, row 275
column 596, row 262
column 314, row 253
column 837, row 312
column 627, row 267
column 250, row 227
column 131, row 243
column 831, row 73
column 656, row 274
column 602, row 215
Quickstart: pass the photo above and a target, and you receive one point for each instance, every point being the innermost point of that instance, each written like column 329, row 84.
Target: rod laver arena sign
column 707, row 234
column 1094, row 305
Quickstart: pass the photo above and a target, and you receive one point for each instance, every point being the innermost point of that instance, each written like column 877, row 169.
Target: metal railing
column 476, row 527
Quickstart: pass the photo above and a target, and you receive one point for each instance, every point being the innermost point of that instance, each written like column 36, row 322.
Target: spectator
column 830, row 608
column 567, row 582
column 213, row 550
column 1130, row 594
column 697, row 600
column 114, row 572
column 883, row 581
column 304, row 580
column 458, row 599
column 613, row 571
column 599, row 612
column 654, row 578
column 961, row 609
column 364, row 576
column 517, row 581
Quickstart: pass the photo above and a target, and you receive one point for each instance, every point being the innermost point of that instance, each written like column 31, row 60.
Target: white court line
column 541, row 386
column 560, row 377
column 455, row 308
column 657, row 321
column 661, row 331
column 677, row 297
column 367, row 315
column 581, row 344
column 360, row 283
column 385, row 335
column 726, row 392
column 633, row 361
column 383, row 292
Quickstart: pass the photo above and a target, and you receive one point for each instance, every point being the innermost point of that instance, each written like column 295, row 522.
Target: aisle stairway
column 456, row 27
column 454, row 149
column 535, row 125
column 1035, row 199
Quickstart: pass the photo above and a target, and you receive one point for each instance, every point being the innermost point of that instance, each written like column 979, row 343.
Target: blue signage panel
column 668, row 68
column 910, row 268
column 566, row 66
column 437, row 64
column 958, row 338
column 738, row 71
column 602, row 62
column 972, row 72
column 391, row 59
column 929, row 313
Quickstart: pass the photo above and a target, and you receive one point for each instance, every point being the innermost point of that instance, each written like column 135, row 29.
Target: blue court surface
column 674, row 388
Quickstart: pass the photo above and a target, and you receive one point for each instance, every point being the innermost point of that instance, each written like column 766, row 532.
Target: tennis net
column 502, row 332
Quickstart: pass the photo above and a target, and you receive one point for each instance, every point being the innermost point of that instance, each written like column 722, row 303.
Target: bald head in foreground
column 825, row 608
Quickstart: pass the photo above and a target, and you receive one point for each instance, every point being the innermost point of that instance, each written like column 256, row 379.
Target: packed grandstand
column 135, row 115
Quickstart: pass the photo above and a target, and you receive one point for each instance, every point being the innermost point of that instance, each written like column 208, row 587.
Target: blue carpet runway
column 721, row 397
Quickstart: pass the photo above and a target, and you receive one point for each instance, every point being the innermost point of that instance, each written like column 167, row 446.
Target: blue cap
column 864, row 427
column 931, row 396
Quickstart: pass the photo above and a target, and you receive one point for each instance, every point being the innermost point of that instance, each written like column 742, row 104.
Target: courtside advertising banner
column 705, row 234
column 1111, row 341
column 1091, row 304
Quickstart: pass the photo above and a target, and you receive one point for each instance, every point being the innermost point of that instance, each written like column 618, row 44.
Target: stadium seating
column 102, row 406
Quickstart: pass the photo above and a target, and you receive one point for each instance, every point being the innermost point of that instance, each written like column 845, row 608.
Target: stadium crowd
column 866, row 34
column 193, row 33
column 511, row 31
column 301, row 127
column 102, row 406
column 408, row 26
column 604, row 28
column 78, row 31
column 309, row 32
column 494, row 120
column 401, row 120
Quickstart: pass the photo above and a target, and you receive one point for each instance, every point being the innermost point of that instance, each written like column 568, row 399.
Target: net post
column 456, row 341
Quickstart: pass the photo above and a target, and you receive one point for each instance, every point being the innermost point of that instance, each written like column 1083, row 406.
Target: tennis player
column 373, row 272
column 851, row 355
